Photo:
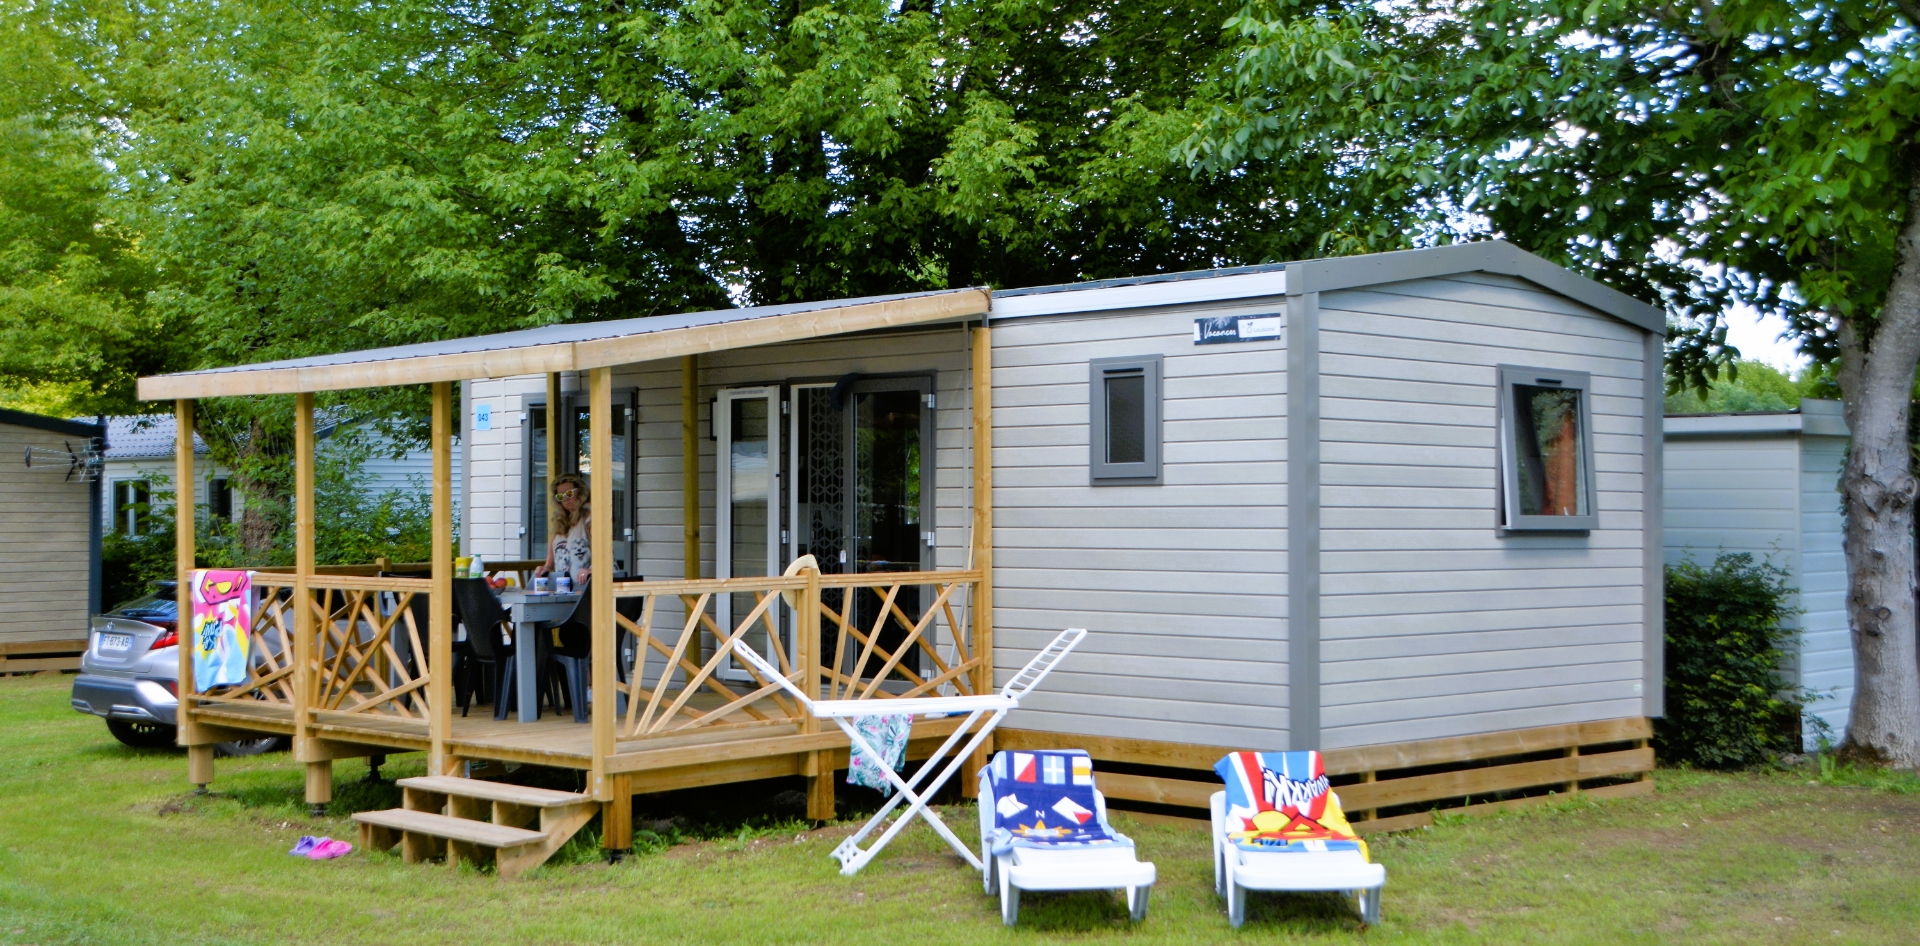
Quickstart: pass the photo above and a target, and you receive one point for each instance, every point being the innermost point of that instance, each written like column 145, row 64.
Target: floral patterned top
column 573, row 552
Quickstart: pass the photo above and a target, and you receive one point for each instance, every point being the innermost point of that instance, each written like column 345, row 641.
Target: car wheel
column 140, row 734
column 247, row 747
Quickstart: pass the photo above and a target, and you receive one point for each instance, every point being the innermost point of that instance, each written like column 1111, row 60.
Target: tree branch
column 1911, row 10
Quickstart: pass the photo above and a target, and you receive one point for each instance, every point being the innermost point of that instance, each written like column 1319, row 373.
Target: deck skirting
column 1396, row 786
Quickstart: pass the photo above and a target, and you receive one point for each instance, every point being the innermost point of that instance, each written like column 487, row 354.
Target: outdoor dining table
column 533, row 613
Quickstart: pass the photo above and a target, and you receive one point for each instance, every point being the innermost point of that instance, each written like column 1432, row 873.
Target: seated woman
column 570, row 551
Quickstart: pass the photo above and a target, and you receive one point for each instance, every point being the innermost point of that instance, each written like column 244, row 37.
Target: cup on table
column 542, row 585
column 563, row 585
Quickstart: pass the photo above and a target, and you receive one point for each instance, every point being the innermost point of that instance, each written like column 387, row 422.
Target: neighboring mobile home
column 1769, row 484
column 1397, row 507
column 139, row 456
column 49, row 540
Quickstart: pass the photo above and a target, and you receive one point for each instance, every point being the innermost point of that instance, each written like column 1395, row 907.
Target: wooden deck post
column 553, row 460
column 319, row 789
column 199, row 761
column 440, row 599
column 808, row 654
column 690, row 477
column 600, row 586
column 982, row 531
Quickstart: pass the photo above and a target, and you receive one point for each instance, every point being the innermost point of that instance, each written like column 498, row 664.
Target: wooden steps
column 515, row 826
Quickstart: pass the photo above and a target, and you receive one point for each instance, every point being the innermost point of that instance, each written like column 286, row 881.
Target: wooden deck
column 712, row 755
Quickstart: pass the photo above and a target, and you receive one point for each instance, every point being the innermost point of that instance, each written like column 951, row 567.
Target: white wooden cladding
column 1777, row 498
column 1432, row 625
column 1184, row 583
column 44, row 554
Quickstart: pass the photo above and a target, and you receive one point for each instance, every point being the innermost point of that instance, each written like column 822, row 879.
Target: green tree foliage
column 1751, row 386
column 1705, row 154
column 74, row 326
column 1710, row 154
column 328, row 176
column 1727, row 705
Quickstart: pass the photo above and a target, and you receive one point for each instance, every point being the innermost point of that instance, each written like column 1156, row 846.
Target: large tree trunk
column 1876, row 376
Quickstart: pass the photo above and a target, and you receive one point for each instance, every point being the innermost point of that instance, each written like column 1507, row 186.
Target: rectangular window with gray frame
column 1546, row 450
column 1124, row 408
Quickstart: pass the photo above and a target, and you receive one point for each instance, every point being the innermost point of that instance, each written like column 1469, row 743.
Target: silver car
column 130, row 674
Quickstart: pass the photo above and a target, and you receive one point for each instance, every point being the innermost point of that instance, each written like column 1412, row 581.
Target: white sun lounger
column 1237, row 870
column 983, row 713
column 1104, row 866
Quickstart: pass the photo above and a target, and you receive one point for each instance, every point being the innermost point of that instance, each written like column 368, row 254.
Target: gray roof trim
column 1486, row 256
column 1142, row 280
column 1816, row 417
column 58, row 425
column 1326, row 275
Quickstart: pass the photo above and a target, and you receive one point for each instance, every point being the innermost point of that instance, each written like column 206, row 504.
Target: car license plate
column 116, row 641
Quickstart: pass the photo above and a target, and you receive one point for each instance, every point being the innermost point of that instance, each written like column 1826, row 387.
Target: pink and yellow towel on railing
column 222, row 620
column 1281, row 801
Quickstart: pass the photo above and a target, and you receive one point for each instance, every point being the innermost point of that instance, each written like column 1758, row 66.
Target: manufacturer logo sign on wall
column 1225, row 329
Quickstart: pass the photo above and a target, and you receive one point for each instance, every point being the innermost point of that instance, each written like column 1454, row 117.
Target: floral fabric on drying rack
column 222, row 621
column 887, row 734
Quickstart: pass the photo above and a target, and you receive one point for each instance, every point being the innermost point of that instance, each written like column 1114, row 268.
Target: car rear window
column 158, row 604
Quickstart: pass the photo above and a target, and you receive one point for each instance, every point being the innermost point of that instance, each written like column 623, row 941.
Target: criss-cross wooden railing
column 671, row 686
column 269, row 649
column 863, row 659
column 370, row 649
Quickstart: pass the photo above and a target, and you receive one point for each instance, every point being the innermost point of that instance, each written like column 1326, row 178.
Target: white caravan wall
column 1182, row 585
column 1431, row 624
column 1775, row 497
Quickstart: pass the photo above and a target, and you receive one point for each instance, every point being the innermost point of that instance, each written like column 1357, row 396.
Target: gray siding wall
column 1826, row 644
column 1432, row 625
column 1183, row 584
column 44, row 549
column 1775, row 498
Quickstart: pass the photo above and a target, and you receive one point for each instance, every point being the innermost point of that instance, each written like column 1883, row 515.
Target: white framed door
column 747, row 489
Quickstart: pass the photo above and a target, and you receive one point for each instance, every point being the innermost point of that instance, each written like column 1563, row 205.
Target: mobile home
column 1402, row 508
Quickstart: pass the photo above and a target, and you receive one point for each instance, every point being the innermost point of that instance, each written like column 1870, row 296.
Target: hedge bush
column 1728, row 705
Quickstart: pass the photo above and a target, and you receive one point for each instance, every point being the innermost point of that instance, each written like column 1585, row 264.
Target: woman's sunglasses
column 566, row 494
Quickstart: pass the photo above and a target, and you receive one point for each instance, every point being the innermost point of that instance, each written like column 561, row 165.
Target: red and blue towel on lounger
column 1046, row 798
column 1280, row 801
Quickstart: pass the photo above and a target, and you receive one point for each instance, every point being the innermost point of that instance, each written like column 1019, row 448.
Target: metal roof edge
column 58, row 425
column 1816, row 417
column 1490, row 256
column 1109, row 295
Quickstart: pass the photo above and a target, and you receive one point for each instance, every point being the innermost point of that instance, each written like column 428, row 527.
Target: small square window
column 1124, row 408
column 1546, row 450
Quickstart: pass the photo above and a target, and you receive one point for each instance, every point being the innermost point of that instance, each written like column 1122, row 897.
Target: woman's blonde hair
column 563, row 522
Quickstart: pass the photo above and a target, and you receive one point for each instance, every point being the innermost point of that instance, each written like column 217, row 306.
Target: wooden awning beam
column 569, row 356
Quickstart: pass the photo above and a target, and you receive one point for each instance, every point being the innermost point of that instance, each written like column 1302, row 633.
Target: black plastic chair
column 484, row 617
column 466, row 670
column 575, row 653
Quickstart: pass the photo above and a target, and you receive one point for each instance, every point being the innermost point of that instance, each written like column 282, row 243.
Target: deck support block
column 616, row 818
column 319, row 784
column 820, row 798
column 200, row 767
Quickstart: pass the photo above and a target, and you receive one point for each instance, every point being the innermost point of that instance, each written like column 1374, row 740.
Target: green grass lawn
column 102, row 844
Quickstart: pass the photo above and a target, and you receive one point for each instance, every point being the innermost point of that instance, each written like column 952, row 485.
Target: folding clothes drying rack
column 979, row 723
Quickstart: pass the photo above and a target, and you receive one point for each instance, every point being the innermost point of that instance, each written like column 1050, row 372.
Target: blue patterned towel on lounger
column 1045, row 799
